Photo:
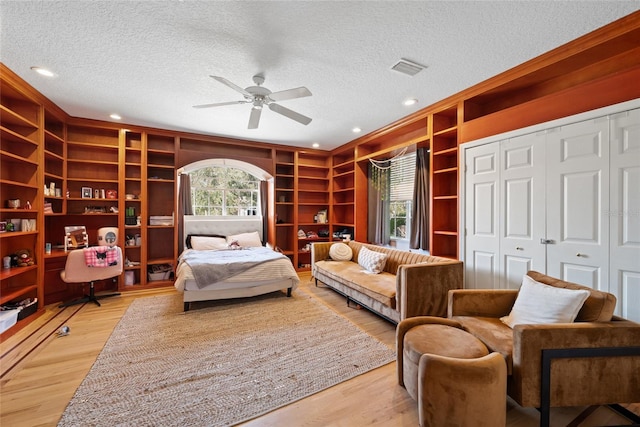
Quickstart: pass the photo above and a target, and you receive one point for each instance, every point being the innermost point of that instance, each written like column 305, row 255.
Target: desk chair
column 77, row 271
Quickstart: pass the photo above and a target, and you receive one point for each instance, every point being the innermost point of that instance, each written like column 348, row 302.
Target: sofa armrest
column 481, row 302
column 421, row 289
column 598, row 380
column 320, row 251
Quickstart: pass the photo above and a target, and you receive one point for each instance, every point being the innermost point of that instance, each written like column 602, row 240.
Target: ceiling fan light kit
column 260, row 96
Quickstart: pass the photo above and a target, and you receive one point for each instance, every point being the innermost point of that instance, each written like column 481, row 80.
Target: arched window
column 225, row 188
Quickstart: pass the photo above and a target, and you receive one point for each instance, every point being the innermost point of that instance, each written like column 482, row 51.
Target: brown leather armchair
column 592, row 361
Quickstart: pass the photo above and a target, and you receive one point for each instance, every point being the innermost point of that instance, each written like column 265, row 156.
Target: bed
column 249, row 270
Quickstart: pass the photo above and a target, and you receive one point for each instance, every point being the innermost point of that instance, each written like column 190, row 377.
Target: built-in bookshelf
column 312, row 185
column 285, row 215
column 158, row 217
column 444, row 183
column 20, row 186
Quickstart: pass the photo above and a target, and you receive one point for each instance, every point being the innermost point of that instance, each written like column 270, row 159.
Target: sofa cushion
column 598, row 307
column 372, row 261
column 493, row 333
column 380, row 287
column 540, row 303
column 340, row 252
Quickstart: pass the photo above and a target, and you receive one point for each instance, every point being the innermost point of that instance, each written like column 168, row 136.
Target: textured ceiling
column 150, row 61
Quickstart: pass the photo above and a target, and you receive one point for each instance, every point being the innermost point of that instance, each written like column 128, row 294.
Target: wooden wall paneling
column 605, row 91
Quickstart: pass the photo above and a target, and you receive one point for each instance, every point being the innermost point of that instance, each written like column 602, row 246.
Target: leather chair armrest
column 421, row 289
column 481, row 302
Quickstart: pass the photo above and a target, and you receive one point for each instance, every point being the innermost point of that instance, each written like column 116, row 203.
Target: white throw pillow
column 246, row 240
column 538, row 303
column 203, row 243
column 372, row 261
column 340, row 252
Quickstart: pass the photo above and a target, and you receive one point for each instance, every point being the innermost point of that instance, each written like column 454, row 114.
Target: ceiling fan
column 260, row 96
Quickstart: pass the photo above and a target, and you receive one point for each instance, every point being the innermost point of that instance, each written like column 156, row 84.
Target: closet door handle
column 581, row 255
column 519, row 248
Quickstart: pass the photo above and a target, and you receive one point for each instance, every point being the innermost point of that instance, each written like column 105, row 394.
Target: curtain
column 378, row 200
column 184, row 206
column 264, row 188
column 419, row 238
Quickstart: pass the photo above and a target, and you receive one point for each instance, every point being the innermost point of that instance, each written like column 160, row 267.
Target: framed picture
column 87, row 192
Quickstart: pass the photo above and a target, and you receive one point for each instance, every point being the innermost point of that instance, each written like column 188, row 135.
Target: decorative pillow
column 340, row 252
column 190, row 236
column 372, row 261
column 246, row 240
column 203, row 243
column 539, row 303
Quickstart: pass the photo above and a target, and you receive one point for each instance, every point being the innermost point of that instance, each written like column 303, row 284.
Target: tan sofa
column 411, row 284
column 576, row 377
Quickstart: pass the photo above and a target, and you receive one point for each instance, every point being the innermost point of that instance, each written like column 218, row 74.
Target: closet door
column 522, row 208
column 577, row 199
column 482, row 243
column 624, row 213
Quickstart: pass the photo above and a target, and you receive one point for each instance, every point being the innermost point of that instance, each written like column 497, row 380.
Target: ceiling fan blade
column 219, row 104
column 254, row 119
column 299, row 92
column 232, row 86
column 289, row 113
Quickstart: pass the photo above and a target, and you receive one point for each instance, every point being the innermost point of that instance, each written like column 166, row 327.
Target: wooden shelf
column 17, row 294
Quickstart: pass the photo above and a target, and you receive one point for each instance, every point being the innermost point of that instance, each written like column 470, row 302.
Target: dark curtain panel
column 264, row 187
column 184, row 206
column 378, row 199
column 419, row 238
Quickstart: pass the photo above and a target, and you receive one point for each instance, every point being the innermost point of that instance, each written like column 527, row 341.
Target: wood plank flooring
column 39, row 373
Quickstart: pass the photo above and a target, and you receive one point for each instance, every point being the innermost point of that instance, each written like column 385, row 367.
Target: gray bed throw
column 213, row 266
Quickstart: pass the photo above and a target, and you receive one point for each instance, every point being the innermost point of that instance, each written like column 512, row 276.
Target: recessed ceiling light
column 115, row 116
column 43, row 71
column 315, row 145
column 356, row 130
column 410, row 101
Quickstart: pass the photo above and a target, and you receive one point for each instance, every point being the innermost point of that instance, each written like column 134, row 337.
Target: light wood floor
column 39, row 373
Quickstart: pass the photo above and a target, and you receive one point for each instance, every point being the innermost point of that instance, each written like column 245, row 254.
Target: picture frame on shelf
column 87, row 193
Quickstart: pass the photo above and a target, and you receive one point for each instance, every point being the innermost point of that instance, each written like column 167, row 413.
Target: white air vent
column 408, row 67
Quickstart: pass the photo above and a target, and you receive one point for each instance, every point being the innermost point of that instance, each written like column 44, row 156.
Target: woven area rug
column 219, row 365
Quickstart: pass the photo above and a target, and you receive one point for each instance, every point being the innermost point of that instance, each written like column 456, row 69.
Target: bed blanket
column 214, row 266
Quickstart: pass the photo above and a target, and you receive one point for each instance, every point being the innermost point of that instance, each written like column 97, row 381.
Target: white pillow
column 203, row 243
column 539, row 303
column 246, row 240
column 340, row 252
column 372, row 261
